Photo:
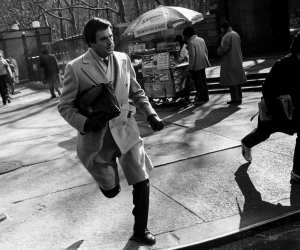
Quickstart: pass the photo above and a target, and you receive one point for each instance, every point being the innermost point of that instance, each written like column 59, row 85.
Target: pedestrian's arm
column 9, row 71
column 225, row 46
column 66, row 106
column 192, row 56
column 137, row 94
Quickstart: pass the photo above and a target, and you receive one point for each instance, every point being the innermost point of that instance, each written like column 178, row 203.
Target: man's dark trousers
column 3, row 89
column 263, row 132
column 296, row 160
column 199, row 78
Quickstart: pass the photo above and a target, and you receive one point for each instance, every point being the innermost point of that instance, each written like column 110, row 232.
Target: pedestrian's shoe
column 199, row 101
column 235, row 102
column 146, row 238
column 295, row 179
column 246, row 152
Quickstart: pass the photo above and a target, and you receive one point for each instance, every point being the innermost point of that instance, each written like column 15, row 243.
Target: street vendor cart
column 159, row 72
column 154, row 51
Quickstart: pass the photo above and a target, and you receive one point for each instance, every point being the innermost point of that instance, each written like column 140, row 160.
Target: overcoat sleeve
column 137, row 94
column 66, row 106
column 225, row 45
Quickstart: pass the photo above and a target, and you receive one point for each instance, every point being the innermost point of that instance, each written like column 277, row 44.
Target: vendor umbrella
column 160, row 19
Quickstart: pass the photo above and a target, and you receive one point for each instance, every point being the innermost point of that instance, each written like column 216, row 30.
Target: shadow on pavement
column 213, row 117
column 131, row 245
column 27, row 106
column 69, row 144
column 75, row 245
column 43, row 107
column 257, row 210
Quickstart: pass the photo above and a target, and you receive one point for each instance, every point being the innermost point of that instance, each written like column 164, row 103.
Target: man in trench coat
column 101, row 142
column 232, row 74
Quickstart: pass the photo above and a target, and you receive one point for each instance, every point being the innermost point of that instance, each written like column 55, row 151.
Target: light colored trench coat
column 81, row 74
column 232, row 72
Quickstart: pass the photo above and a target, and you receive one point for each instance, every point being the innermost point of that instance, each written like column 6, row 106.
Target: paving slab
column 37, row 150
column 42, row 179
column 61, row 219
column 226, row 193
column 175, row 143
column 216, row 116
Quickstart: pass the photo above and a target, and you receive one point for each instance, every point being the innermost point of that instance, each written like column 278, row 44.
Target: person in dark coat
column 5, row 76
column 51, row 72
column 232, row 74
column 283, row 80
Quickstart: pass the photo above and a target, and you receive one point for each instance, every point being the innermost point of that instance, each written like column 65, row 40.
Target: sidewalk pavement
column 201, row 187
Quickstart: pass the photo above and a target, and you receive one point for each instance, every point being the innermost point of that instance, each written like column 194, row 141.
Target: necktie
column 105, row 60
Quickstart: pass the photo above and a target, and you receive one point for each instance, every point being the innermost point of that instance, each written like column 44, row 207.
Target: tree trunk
column 122, row 10
column 138, row 7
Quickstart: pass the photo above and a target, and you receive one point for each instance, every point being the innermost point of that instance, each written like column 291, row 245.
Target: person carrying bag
column 279, row 106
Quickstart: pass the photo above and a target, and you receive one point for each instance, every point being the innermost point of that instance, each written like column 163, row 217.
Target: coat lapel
column 92, row 69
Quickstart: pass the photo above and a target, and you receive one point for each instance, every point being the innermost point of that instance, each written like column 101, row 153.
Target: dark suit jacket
column 283, row 79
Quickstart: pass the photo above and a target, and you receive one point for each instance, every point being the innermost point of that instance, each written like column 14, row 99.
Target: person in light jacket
column 232, row 74
column 198, row 61
column 101, row 142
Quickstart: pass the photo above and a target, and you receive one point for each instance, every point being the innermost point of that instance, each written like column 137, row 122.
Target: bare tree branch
column 85, row 7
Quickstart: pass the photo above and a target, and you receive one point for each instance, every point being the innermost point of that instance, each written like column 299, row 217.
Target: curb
column 243, row 233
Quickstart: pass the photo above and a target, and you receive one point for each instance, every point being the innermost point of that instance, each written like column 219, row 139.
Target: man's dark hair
column 91, row 28
column 295, row 45
column 225, row 25
column 188, row 32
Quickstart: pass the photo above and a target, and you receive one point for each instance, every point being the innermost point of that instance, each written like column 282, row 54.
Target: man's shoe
column 246, row 152
column 295, row 179
column 146, row 238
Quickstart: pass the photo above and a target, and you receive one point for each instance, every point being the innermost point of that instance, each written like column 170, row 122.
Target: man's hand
column 93, row 125
column 155, row 122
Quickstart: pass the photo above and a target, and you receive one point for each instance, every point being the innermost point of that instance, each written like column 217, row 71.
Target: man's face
column 104, row 44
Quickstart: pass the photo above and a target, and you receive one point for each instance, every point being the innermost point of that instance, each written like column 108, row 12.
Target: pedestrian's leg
column 261, row 133
column 203, row 89
column 136, row 166
column 57, row 85
column 200, row 86
column 256, row 136
column 141, row 192
column 235, row 94
column 51, row 88
column 2, row 92
column 103, row 166
column 58, row 91
column 295, row 176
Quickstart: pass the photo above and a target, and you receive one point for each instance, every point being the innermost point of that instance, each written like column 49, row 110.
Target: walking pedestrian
column 5, row 76
column 101, row 142
column 49, row 64
column 198, row 61
column 15, row 73
column 281, row 82
column 232, row 74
